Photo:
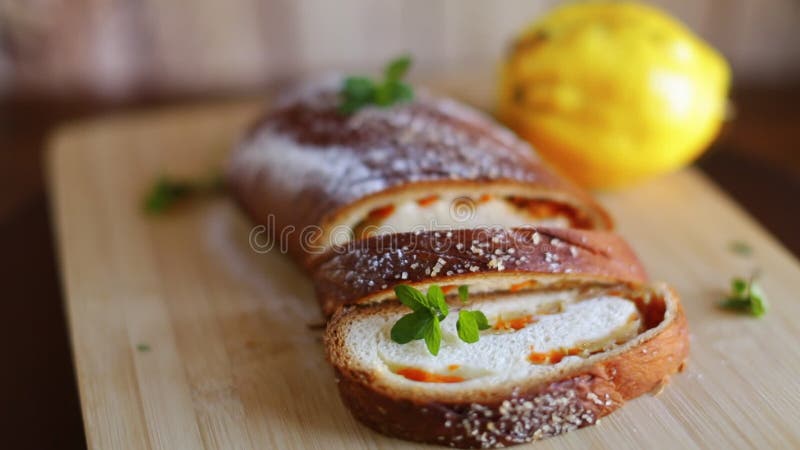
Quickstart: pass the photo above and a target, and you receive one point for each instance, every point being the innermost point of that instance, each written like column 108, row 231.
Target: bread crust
column 366, row 271
column 522, row 413
column 430, row 145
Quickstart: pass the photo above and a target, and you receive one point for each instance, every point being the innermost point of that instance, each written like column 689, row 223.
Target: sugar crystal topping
column 414, row 257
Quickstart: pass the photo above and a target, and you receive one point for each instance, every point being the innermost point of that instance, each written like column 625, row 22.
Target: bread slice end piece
column 494, row 412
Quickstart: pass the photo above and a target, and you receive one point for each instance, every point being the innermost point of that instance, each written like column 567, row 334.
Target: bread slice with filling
column 489, row 260
column 318, row 178
column 552, row 361
column 575, row 330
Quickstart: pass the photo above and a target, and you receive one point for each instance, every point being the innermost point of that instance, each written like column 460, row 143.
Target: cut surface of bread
column 605, row 344
column 463, row 211
column 531, row 335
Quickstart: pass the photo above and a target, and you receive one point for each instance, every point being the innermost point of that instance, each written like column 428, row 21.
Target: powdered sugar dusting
column 305, row 147
column 334, row 170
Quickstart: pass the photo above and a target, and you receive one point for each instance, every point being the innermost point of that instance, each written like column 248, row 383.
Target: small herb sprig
column 428, row 312
column 167, row 192
column 358, row 92
column 470, row 323
column 746, row 297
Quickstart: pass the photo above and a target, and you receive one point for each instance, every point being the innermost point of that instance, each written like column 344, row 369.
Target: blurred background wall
column 120, row 48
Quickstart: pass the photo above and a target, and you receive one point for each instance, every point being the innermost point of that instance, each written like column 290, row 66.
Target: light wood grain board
column 183, row 337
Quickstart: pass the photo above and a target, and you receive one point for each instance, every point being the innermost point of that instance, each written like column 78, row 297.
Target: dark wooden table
column 757, row 160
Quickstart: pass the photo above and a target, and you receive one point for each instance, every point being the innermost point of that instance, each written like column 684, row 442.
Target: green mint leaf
column 746, row 297
column 404, row 92
column 358, row 92
column 397, row 68
column 392, row 92
column 433, row 336
column 741, row 304
column 481, row 320
column 359, row 89
column 167, row 192
column 164, row 194
column 740, row 248
column 383, row 96
column 758, row 303
column 411, row 297
column 437, row 301
column 467, row 327
column 397, row 91
column 463, row 293
column 411, row 327
column 739, row 286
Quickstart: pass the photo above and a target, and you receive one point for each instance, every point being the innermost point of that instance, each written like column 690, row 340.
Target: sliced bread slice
column 553, row 360
column 487, row 259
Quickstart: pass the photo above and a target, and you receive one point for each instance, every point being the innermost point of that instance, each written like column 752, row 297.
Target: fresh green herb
column 428, row 312
column 411, row 297
column 397, row 68
column 358, row 92
column 143, row 347
column 423, row 323
column 463, row 293
column 167, row 192
column 412, row 326
column 469, row 323
column 746, row 297
column 436, row 297
column 741, row 248
column 433, row 337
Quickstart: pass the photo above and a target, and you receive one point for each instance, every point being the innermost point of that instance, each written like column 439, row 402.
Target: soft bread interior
column 505, row 282
column 461, row 211
column 535, row 336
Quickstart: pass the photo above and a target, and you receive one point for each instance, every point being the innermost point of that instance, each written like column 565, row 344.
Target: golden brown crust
column 524, row 413
column 367, row 270
column 333, row 162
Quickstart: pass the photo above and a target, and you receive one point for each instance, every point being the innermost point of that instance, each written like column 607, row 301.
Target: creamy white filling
column 500, row 356
column 458, row 213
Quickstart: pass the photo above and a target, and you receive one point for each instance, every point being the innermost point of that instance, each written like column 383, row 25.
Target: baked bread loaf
column 432, row 192
column 424, row 164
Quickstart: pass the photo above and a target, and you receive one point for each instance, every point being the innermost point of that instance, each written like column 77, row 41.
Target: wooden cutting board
column 185, row 338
